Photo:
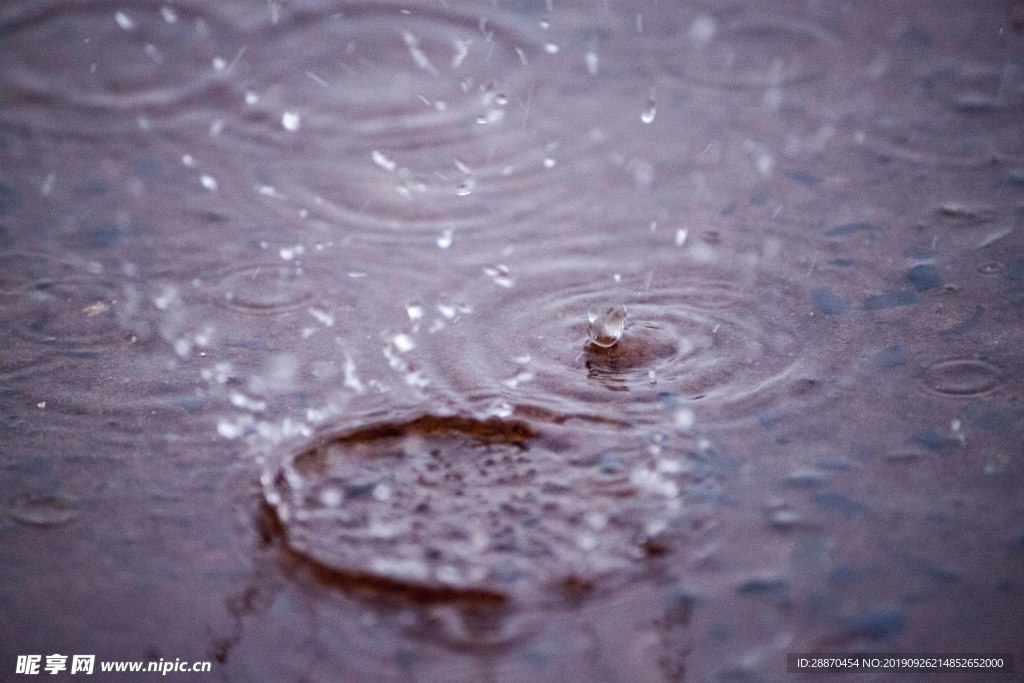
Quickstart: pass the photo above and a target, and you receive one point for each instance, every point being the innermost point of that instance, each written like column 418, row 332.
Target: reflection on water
column 512, row 340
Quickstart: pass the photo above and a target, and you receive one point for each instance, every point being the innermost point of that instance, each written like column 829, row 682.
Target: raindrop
column 606, row 330
column 417, row 54
column 290, row 121
column 650, row 110
column 383, row 161
column 501, row 275
column 703, row 29
column 444, row 240
column 124, row 21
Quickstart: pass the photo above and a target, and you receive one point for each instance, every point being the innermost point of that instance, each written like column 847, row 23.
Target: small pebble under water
column 295, row 376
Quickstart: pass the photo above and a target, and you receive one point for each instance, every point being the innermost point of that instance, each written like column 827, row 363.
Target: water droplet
column 124, row 21
column 290, row 121
column 209, row 182
column 403, row 343
column 606, row 330
column 417, row 54
column 703, row 29
column 444, row 240
column 383, row 161
column 461, row 51
column 501, row 275
column 650, row 109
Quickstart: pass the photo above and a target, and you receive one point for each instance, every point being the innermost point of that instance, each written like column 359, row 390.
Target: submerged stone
column 924, row 276
column 828, row 302
column 890, row 299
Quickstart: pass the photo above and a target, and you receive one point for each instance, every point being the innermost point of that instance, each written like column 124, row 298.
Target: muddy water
column 297, row 374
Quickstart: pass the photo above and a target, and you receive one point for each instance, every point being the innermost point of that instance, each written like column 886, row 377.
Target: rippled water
column 299, row 369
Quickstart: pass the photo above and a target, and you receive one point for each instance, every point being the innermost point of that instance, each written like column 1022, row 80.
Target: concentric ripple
column 750, row 51
column 117, row 62
column 404, row 117
column 704, row 337
column 79, row 311
column 447, row 507
column 955, row 115
column 264, row 288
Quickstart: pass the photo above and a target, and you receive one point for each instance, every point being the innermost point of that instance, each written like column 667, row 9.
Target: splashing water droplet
column 606, row 329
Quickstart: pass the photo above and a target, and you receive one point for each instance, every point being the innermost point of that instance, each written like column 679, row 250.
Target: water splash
column 606, row 329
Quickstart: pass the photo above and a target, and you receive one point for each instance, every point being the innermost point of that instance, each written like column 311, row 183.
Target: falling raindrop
column 290, row 121
column 650, row 110
column 124, row 21
column 444, row 240
column 606, row 329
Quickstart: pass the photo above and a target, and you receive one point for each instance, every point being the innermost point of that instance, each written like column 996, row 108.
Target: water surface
column 297, row 374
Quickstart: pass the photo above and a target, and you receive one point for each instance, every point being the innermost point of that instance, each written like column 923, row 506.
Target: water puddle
column 459, row 508
column 515, row 340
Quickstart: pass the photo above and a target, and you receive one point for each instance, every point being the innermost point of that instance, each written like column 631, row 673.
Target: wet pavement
column 512, row 340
